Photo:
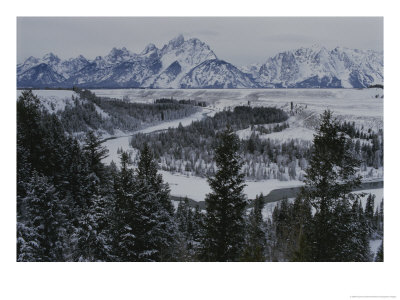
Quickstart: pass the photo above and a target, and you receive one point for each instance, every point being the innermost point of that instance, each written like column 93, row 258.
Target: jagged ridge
column 192, row 64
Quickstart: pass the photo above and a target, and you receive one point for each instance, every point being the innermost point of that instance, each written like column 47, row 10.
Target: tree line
column 90, row 112
column 190, row 150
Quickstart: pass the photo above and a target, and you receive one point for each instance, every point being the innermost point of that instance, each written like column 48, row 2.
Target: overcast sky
column 240, row 41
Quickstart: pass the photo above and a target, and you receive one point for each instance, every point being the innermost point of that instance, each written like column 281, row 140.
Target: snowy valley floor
column 364, row 107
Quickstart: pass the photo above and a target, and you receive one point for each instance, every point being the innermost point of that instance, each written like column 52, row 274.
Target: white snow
column 374, row 246
column 113, row 145
column 287, row 134
column 197, row 188
column 122, row 138
column 101, row 112
column 184, row 121
column 356, row 105
column 192, row 187
column 53, row 100
column 378, row 196
column 291, row 133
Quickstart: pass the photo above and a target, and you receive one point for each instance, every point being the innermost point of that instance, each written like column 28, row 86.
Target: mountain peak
column 31, row 60
column 117, row 55
column 81, row 57
column 192, row 63
column 51, row 58
column 149, row 48
column 118, row 52
column 177, row 41
column 316, row 46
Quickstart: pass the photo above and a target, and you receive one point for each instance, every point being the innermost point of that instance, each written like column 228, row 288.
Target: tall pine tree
column 225, row 205
column 331, row 176
column 256, row 241
column 156, row 228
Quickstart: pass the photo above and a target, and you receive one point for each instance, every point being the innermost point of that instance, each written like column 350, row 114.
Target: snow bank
column 53, row 100
column 197, row 188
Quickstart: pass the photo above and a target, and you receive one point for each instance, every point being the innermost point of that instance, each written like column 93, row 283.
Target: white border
column 197, row 280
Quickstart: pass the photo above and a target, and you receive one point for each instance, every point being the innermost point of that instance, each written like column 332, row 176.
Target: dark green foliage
column 379, row 254
column 58, row 189
column 378, row 219
column 330, row 178
column 371, row 150
column 369, row 214
column 281, row 218
column 194, row 145
column 94, row 153
column 189, row 223
column 256, row 242
column 143, row 222
column 351, row 233
column 300, row 230
column 124, row 214
column 157, row 212
column 91, row 239
column 84, row 115
column 41, row 228
column 225, row 205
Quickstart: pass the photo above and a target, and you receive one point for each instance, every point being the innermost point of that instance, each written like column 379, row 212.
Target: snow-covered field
column 358, row 102
column 296, row 130
column 196, row 188
column 361, row 106
column 53, row 100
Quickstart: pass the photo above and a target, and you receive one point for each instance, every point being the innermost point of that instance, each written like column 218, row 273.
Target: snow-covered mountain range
column 192, row 64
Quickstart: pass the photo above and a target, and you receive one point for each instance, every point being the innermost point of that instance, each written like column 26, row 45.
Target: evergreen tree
column 379, row 254
column 300, row 230
column 350, row 228
column 147, row 172
column 144, row 228
column 369, row 213
column 331, row 176
column 255, row 248
column 29, row 132
column 95, row 152
column 91, row 240
column 41, row 231
column 282, row 220
column 378, row 219
column 28, row 247
column 125, row 213
column 156, row 228
column 185, row 220
column 225, row 205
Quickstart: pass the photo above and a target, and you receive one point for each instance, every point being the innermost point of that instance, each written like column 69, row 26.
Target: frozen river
column 362, row 106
